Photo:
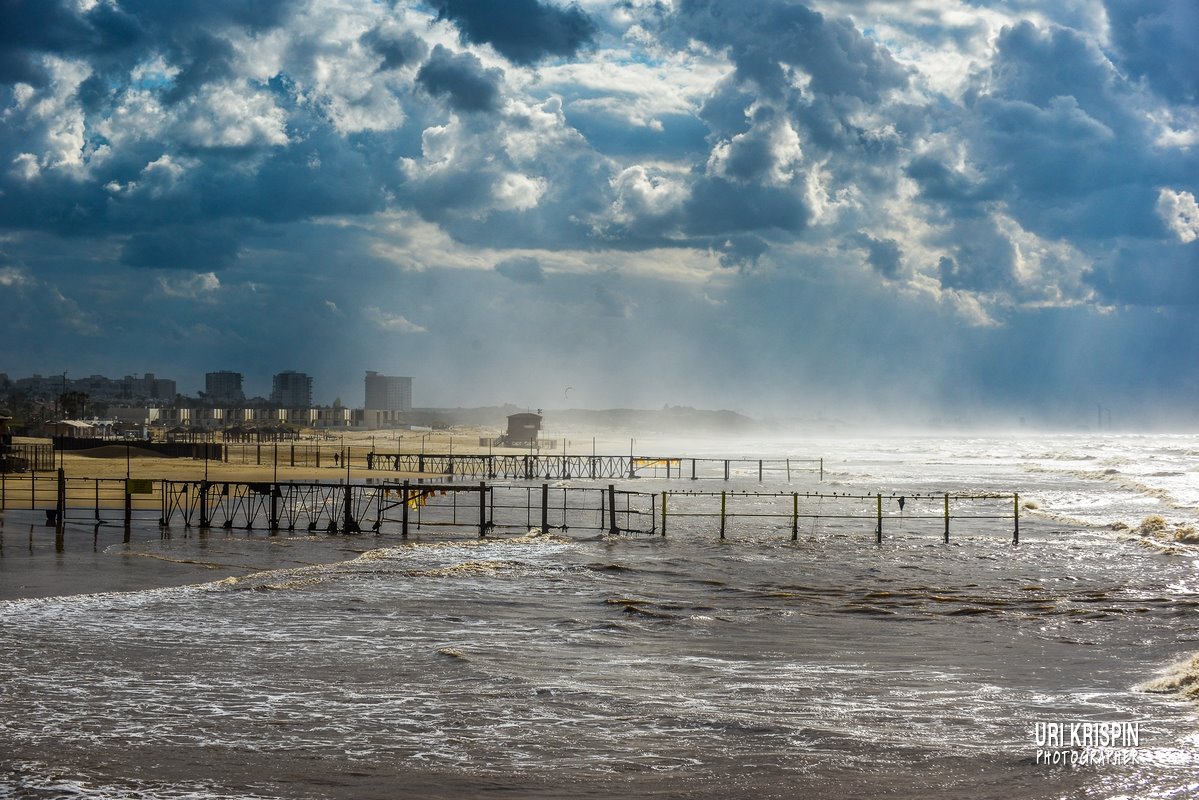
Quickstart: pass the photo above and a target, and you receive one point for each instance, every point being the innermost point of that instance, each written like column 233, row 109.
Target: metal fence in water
column 492, row 508
column 518, row 466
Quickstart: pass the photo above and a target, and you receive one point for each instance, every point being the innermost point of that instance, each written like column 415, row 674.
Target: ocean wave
column 1181, row 677
column 37, row 781
column 1113, row 476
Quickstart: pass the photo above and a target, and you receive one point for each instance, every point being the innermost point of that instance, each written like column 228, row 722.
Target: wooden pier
column 406, row 506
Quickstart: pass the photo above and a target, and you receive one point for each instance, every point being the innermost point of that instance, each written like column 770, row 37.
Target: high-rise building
column 388, row 392
column 223, row 388
column 291, row 390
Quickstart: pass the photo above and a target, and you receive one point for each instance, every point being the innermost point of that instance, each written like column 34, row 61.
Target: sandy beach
column 96, row 553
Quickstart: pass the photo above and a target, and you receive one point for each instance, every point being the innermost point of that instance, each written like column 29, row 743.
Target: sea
column 795, row 657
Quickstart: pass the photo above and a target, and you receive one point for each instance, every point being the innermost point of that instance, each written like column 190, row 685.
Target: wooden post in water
column 293, row 455
column 664, row 512
column 693, row 469
column 726, row 469
column 274, row 506
column 723, row 505
column 822, row 470
column 612, row 510
column 794, row 516
column 97, row 482
column 1016, row 515
column 545, row 507
column 482, row 509
column 878, row 532
column 788, row 470
column 33, row 490
column 404, row 512
column 759, row 470
column 128, row 507
column 947, row 518
column 60, row 502
column 203, row 504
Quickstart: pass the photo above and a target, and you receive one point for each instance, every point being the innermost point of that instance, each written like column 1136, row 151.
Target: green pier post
column 794, row 516
column 612, row 510
column 482, row 509
column 878, row 532
column 723, row 506
column 947, row 518
column 404, row 512
column 1016, row 515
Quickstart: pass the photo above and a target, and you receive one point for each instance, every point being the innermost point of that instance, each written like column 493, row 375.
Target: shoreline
column 96, row 559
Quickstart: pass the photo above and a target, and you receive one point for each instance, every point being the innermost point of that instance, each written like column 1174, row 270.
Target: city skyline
column 153, row 386
column 890, row 211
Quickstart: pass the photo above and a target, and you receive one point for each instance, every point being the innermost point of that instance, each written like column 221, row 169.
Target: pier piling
column 723, row 507
column 794, row 516
column 1016, row 517
column 404, row 502
column 878, row 531
column 612, row 510
column 482, row 509
column 947, row 518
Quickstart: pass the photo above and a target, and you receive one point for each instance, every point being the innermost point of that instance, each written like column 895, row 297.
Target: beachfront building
column 388, row 392
column 224, row 388
column 388, row 398
column 291, row 390
column 130, row 389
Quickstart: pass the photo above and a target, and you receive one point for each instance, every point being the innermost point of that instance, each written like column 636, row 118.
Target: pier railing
column 488, row 508
column 491, row 466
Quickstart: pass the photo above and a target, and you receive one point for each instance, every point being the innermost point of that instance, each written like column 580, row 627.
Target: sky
column 913, row 211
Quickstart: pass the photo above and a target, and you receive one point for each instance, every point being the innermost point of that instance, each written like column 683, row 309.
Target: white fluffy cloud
column 391, row 322
column 1180, row 212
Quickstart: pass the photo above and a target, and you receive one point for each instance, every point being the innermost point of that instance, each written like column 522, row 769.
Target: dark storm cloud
column 883, row 255
column 181, row 247
column 397, row 48
column 802, row 80
column 766, row 38
column 718, row 206
column 112, row 33
column 523, row 31
column 1156, row 40
column 29, row 28
column 461, row 79
column 742, row 251
column 203, row 58
column 942, row 183
column 1052, row 134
